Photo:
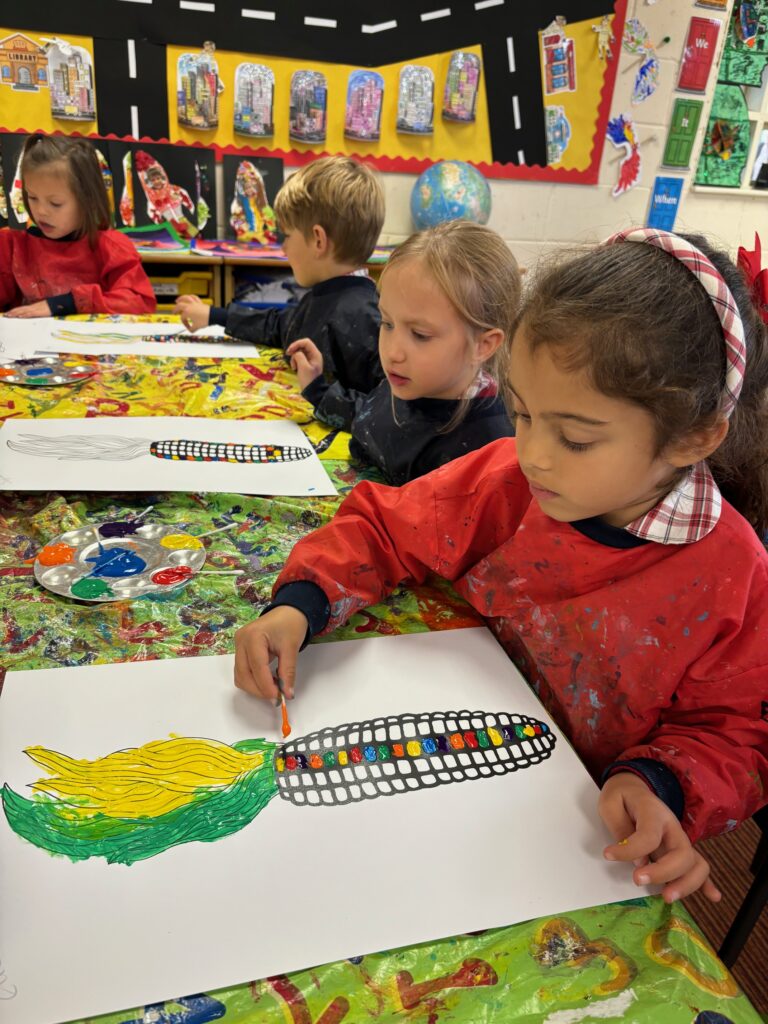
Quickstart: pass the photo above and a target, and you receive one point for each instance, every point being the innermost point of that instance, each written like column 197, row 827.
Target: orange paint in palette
column 56, row 554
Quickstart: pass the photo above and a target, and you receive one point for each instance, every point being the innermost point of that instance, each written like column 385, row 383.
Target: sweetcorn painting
column 121, row 449
column 134, row 804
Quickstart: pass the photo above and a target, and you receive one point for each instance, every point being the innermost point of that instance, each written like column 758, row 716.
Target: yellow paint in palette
column 177, row 541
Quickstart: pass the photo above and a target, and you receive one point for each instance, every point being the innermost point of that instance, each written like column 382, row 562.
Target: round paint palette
column 118, row 561
column 46, row 371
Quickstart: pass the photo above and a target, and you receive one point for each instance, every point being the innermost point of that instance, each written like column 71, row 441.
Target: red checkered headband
column 722, row 299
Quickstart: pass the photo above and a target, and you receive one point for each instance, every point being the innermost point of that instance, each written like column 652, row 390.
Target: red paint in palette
column 168, row 577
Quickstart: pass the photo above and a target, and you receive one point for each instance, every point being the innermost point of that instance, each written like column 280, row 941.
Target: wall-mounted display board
column 498, row 98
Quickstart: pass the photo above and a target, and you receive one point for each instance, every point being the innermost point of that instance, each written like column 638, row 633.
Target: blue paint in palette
column 116, row 563
column 40, row 371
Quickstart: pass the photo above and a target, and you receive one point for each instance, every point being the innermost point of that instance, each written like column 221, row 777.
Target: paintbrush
column 280, row 703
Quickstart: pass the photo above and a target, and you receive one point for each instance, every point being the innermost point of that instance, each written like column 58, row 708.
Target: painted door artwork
column 698, row 54
column 163, row 808
column 682, row 133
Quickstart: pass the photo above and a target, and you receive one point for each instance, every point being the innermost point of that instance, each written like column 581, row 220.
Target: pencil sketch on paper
column 134, row 804
column 112, row 448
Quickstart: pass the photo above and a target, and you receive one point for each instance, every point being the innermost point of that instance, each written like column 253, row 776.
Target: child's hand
column 650, row 836
column 32, row 310
column 306, row 359
column 278, row 634
column 193, row 312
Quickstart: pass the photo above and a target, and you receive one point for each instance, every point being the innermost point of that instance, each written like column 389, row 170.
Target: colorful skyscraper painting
column 254, row 100
column 70, row 74
column 198, row 87
column 416, row 100
column 309, row 105
column 461, row 85
column 365, row 94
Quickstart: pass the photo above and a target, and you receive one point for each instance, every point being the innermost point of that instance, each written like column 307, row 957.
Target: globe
column 450, row 190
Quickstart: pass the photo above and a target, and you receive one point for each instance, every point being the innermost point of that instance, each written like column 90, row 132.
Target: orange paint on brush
column 286, row 723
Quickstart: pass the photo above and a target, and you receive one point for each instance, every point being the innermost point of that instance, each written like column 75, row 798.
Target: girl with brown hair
column 614, row 546
column 68, row 261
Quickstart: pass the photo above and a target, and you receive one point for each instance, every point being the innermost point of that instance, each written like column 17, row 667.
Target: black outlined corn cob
column 219, row 451
column 113, row 448
column 403, row 753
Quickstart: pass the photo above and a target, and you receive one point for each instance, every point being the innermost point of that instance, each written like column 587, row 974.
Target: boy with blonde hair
column 331, row 213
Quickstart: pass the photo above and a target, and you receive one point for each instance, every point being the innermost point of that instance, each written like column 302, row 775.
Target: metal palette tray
column 118, row 560
column 46, row 371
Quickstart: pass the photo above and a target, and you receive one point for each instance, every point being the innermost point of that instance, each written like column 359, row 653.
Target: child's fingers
column 692, row 880
column 252, row 657
column 710, row 890
column 286, row 669
column 619, row 824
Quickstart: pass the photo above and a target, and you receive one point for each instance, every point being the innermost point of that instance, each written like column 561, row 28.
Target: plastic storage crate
column 168, row 283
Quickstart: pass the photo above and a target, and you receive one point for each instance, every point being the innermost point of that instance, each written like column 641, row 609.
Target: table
column 640, row 961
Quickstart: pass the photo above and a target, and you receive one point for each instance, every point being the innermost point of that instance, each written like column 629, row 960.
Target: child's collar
column 686, row 514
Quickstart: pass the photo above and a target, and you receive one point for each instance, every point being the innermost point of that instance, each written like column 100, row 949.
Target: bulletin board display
column 522, row 127
column 33, row 83
column 452, row 140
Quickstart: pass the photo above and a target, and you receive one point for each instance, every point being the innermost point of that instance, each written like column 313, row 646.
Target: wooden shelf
column 742, row 191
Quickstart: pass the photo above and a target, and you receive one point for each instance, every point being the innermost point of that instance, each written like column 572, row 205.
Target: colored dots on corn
column 413, row 748
column 369, row 753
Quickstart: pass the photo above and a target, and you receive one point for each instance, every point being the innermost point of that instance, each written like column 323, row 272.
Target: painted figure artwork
column 197, row 89
column 621, row 132
column 309, row 106
column 16, row 196
column 165, row 201
column 604, row 38
column 416, row 100
column 365, row 95
column 461, row 85
column 3, row 196
column 254, row 100
column 251, row 217
column 134, row 804
column 109, row 183
column 636, row 40
column 127, row 206
column 70, row 75
column 78, row 447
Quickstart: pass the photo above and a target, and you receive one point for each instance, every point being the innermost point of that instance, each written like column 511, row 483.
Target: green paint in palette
column 90, row 588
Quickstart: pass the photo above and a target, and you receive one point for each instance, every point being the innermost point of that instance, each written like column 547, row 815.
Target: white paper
column 21, row 471
column 298, row 886
column 21, row 339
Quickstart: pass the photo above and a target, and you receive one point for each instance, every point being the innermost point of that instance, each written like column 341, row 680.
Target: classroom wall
column 536, row 217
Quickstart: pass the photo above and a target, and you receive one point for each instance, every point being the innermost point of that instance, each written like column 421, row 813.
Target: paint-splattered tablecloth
column 640, row 962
